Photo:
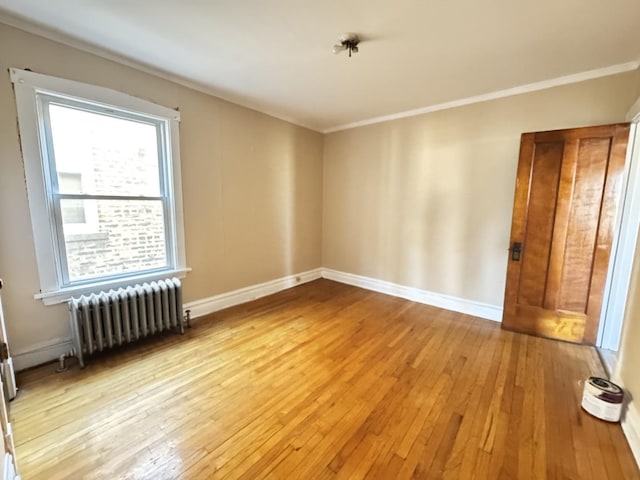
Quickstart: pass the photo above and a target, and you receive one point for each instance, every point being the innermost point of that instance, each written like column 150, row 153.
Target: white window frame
column 29, row 87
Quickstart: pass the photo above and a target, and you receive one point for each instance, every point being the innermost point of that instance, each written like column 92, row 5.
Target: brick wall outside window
column 121, row 235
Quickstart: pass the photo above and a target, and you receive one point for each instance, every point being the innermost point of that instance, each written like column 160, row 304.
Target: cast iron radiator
column 107, row 320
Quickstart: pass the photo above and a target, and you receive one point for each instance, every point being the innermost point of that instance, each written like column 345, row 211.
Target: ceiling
column 275, row 56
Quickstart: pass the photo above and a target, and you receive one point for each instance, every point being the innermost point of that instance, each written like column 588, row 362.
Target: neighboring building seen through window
column 116, row 176
column 103, row 175
column 73, row 211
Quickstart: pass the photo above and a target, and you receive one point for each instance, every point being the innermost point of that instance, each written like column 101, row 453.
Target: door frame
column 7, row 385
column 6, row 369
column 624, row 244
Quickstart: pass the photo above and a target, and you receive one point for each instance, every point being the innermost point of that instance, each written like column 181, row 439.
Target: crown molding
column 65, row 39
column 509, row 92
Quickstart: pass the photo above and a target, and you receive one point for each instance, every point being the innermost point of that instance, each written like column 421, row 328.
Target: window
column 73, row 211
column 103, row 179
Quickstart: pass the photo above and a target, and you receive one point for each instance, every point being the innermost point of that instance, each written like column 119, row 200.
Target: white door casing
column 8, row 469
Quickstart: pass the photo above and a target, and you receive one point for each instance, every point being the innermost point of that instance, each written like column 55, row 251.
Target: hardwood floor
column 322, row 381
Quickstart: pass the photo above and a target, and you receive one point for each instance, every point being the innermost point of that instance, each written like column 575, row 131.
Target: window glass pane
column 72, row 210
column 119, row 236
column 108, row 155
column 70, row 182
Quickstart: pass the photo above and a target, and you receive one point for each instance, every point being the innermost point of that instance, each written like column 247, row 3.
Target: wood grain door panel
column 561, row 325
column 543, row 192
column 567, row 191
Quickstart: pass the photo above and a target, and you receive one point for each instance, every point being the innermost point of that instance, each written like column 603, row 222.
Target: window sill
column 64, row 294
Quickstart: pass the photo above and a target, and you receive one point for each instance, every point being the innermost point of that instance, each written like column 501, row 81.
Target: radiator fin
column 105, row 320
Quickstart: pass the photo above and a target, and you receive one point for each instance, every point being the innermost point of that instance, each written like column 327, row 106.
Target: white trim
column 175, row 193
column 64, row 294
column 8, row 470
column 447, row 302
column 631, row 428
column 65, row 39
column 531, row 87
column 85, row 91
column 41, row 353
column 212, row 304
column 52, row 349
column 634, row 111
column 623, row 249
column 10, row 378
column 28, row 85
column 47, row 351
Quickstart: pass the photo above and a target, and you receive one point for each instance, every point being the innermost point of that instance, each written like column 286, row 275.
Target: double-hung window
column 103, row 181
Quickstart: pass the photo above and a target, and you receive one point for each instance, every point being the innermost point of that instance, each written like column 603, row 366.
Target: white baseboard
column 51, row 350
column 47, row 351
column 631, row 428
column 40, row 353
column 448, row 302
column 236, row 297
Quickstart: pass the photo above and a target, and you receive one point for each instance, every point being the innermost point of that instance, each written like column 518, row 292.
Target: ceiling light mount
column 349, row 42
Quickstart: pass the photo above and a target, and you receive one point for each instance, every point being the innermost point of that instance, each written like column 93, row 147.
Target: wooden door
column 567, row 192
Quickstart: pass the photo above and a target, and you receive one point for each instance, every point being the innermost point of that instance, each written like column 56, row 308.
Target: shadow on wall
column 292, row 202
column 254, row 204
column 444, row 212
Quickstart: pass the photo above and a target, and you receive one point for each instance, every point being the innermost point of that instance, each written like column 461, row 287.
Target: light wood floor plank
column 323, row 381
